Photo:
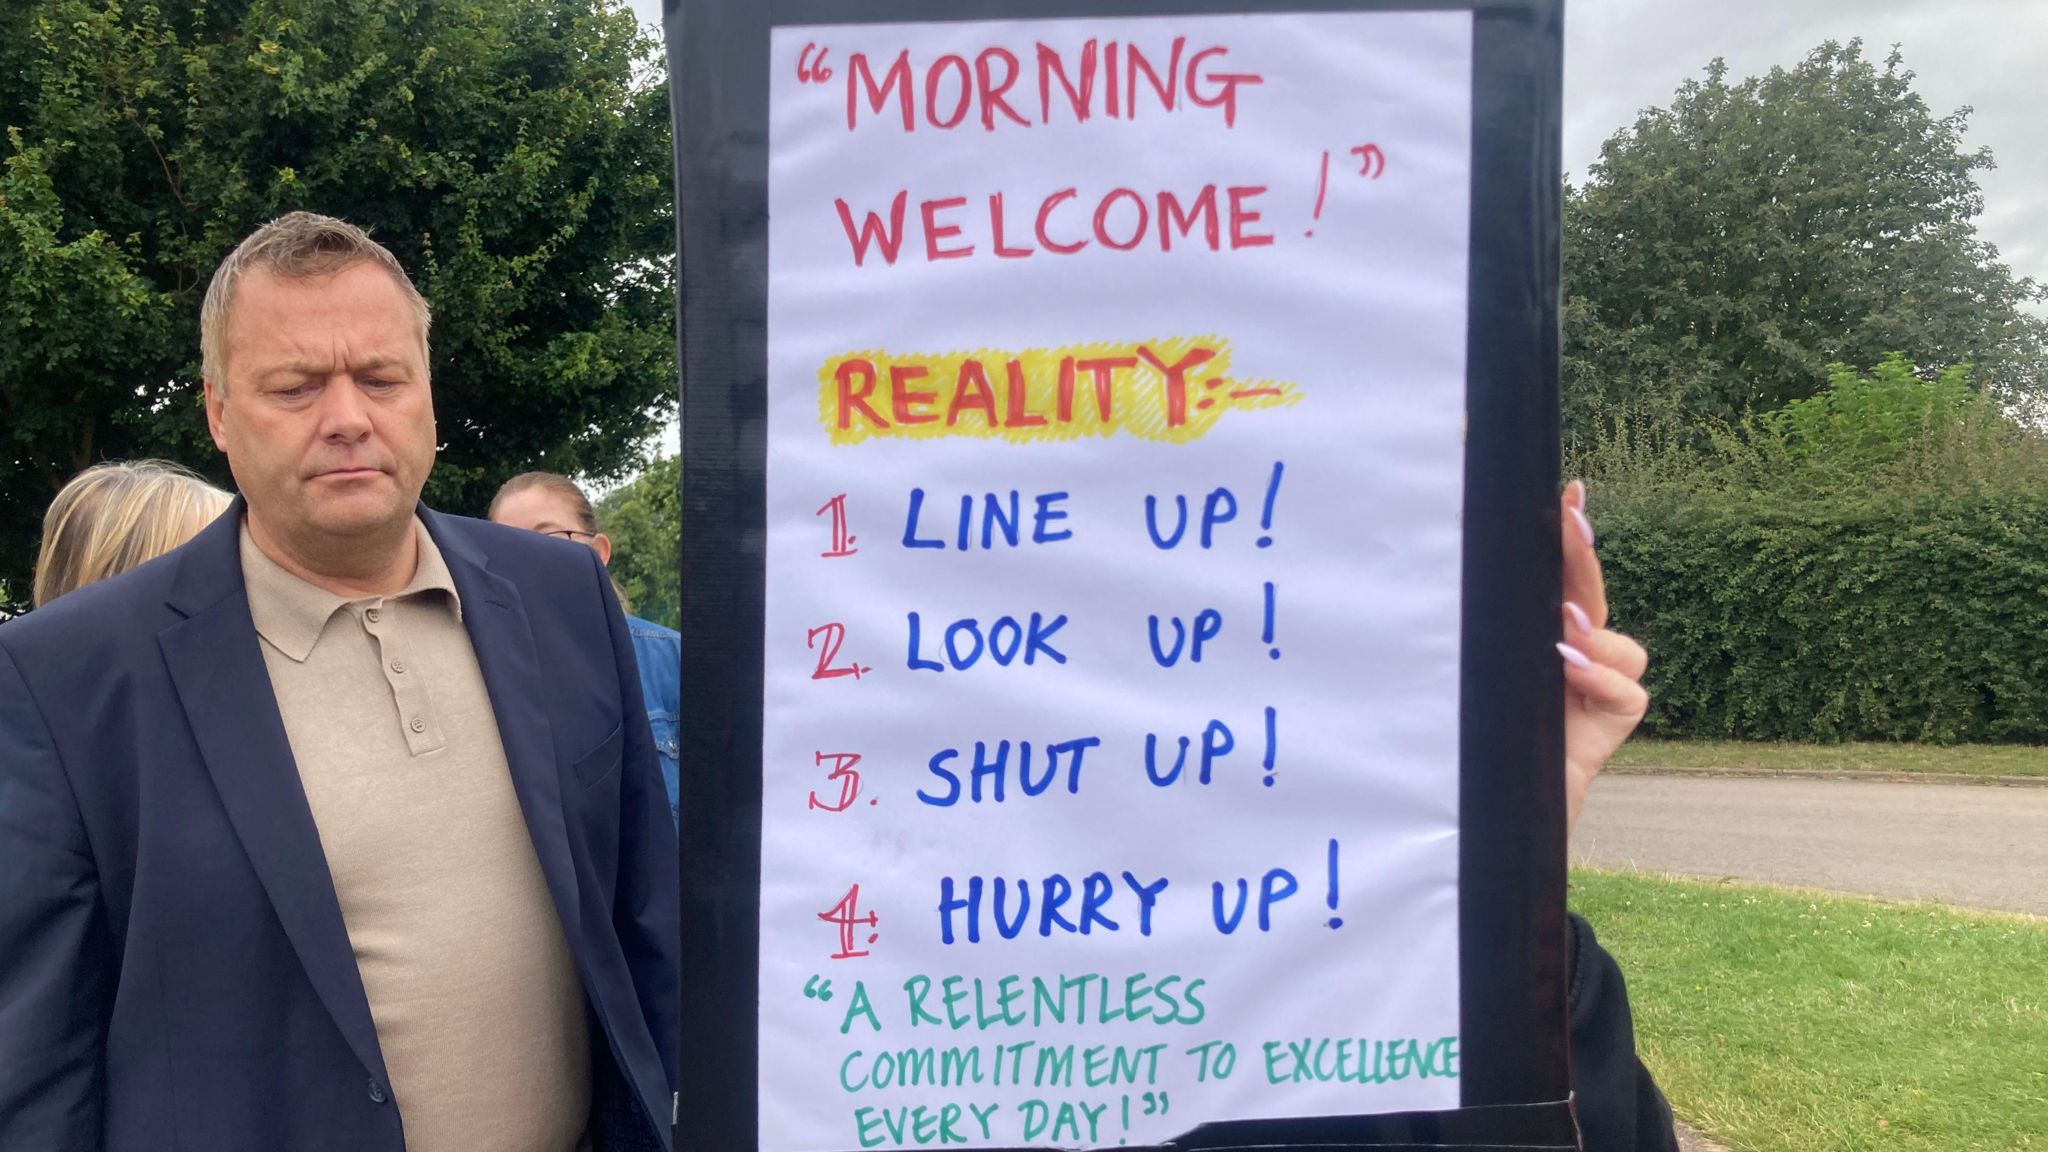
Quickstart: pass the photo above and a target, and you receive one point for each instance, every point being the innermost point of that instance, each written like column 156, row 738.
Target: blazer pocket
column 603, row 760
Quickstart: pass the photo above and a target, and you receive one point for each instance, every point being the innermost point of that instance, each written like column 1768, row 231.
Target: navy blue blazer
column 174, row 971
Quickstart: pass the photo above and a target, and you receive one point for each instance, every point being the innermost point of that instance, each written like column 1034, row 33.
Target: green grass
column 1778, row 1020
column 1966, row 759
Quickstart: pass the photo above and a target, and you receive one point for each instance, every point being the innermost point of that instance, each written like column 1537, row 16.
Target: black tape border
column 1514, row 1050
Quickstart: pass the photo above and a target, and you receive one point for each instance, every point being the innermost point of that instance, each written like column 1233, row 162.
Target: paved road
column 1976, row 845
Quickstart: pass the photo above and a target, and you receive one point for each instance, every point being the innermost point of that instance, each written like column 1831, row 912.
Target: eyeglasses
column 568, row 533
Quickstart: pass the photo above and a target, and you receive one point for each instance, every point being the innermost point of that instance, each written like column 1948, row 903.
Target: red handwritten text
column 1100, row 79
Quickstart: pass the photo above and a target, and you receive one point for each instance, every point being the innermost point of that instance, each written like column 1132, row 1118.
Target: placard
column 1125, row 443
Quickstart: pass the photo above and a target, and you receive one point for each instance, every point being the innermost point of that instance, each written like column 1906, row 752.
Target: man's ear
column 603, row 544
column 216, row 396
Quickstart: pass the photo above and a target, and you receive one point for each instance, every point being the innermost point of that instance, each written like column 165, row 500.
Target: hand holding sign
column 1604, row 699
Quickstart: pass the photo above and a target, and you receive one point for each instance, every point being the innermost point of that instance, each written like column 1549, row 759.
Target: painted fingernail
column 1585, row 525
column 1579, row 616
column 1573, row 656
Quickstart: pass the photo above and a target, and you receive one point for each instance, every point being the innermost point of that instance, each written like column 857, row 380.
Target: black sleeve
column 1618, row 1104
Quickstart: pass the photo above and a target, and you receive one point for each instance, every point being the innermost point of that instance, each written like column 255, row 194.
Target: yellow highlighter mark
column 1171, row 390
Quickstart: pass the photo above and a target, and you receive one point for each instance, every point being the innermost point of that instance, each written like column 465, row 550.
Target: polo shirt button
column 398, row 666
column 372, row 615
column 377, row 1095
column 418, row 725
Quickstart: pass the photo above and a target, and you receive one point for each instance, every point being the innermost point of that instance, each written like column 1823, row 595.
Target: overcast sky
column 1625, row 55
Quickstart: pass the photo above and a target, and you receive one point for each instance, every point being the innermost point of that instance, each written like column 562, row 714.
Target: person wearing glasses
column 553, row 505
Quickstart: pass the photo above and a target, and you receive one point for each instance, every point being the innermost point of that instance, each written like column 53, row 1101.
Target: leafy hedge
column 1870, row 563
column 1844, row 615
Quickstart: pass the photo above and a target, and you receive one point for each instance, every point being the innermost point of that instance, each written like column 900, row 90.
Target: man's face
column 326, row 416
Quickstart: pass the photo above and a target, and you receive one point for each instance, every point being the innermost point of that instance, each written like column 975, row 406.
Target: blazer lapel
column 224, row 688
column 495, row 616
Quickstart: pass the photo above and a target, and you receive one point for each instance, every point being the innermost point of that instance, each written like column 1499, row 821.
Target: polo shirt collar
column 290, row 613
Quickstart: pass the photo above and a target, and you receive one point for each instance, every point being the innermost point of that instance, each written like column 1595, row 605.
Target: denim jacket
column 659, row 652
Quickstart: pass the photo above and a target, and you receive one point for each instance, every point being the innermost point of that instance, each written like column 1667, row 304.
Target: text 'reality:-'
column 1167, row 390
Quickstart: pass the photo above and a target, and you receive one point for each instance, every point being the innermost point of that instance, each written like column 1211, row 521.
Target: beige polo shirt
column 478, row 1008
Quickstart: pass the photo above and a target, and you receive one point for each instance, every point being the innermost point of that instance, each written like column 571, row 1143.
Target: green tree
column 513, row 154
column 644, row 520
column 1861, row 420
column 1727, row 250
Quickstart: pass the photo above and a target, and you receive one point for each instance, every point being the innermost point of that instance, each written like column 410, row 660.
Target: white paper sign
column 1114, row 493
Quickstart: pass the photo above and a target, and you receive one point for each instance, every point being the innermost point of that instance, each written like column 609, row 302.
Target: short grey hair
column 295, row 246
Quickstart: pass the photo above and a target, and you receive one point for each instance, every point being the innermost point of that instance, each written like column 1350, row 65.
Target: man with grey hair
column 302, row 843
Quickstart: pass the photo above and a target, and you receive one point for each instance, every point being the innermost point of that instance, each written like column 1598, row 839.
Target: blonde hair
column 112, row 517
column 553, row 482
column 297, row 245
